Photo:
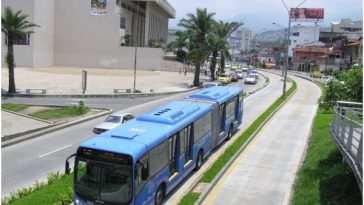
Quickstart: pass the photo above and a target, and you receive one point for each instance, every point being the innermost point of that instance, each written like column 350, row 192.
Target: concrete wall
column 44, row 36
column 93, row 41
column 23, row 54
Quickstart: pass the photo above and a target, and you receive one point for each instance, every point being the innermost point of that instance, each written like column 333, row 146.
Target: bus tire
column 159, row 195
column 199, row 160
column 230, row 133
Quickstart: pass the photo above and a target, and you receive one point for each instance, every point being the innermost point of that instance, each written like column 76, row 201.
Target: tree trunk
column 222, row 64
column 196, row 79
column 11, row 65
column 213, row 65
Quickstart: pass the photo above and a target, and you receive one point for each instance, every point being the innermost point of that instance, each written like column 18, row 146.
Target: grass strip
column 190, row 198
column 59, row 192
column 70, row 111
column 210, row 174
column 324, row 178
column 13, row 107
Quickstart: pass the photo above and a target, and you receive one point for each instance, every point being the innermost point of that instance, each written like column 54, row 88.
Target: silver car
column 250, row 79
column 239, row 73
column 112, row 121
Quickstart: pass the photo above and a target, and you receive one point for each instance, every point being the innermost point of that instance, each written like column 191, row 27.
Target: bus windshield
column 102, row 181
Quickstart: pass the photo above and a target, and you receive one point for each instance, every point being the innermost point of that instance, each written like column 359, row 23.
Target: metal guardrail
column 347, row 131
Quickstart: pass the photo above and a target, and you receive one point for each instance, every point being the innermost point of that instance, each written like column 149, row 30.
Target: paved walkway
column 68, row 80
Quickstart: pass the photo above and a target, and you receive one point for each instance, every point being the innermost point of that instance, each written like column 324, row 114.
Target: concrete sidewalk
column 68, row 80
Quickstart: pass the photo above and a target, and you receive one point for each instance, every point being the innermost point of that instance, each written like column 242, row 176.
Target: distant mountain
column 271, row 36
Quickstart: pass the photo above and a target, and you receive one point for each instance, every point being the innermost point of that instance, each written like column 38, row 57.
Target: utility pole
column 286, row 56
column 136, row 47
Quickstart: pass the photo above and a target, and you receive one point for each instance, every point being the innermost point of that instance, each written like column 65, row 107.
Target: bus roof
column 218, row 94
column 149, row 129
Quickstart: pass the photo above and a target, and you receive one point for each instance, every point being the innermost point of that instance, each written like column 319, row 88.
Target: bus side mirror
column 67, row 166
column 145, row 173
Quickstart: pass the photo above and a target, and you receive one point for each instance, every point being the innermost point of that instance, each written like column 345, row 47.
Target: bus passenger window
column 185, row 139
column 172, row 154
column 222, row 118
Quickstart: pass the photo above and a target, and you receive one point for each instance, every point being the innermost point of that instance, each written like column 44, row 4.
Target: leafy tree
column 156, row 43
column 181, row 42
column 199, row 25
column 219, row 44
column 347, row 86
column 14, row 26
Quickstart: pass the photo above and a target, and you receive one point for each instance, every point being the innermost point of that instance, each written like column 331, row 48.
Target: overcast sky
column 260, row 14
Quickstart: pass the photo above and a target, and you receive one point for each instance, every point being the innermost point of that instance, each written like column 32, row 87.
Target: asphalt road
column 264, row 173
column 26, row 162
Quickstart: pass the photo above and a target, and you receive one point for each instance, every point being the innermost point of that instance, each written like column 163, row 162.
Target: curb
column 212, row 184
column 121, row 95
column 30, row 134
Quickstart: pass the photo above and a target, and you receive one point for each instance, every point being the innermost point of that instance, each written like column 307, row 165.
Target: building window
column 296, row 34
column 122, row 22
column 24, row 40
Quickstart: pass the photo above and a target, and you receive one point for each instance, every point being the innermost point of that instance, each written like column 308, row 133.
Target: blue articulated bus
column 143, row 160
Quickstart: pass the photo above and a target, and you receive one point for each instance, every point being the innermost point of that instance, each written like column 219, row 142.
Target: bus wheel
column 230, row 133
column 199, row 160
column 159, row 196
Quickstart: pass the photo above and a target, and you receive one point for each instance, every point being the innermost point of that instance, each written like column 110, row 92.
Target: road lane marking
column 54, row 151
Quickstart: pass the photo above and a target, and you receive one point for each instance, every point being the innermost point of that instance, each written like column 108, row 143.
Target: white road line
column 54, row 151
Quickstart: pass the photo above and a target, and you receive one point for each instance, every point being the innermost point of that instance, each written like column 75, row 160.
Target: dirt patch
column 33, row 109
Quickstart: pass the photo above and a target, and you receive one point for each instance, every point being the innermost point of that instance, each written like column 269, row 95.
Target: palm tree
column 181, row 42
column 222, row 31
column 200, row 25
column 14, row 26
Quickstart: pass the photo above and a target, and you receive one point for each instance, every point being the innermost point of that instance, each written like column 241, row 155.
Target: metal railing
column 347, row 131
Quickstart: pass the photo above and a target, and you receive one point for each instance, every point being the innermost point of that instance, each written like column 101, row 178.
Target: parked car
column 227, row 65
column 239, row 73
column 224, row 78
column 111, row 121
column 316, row 74
column 250, row 79
column 234, row 77
column 244, row 69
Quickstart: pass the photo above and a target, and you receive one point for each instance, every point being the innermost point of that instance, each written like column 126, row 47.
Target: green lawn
column 13, row 107
column 63, row 112
column 324, row 178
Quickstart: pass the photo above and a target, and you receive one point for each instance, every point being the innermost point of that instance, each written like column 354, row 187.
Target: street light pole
column 285, row 42
column 136, row 47
column 286, row 56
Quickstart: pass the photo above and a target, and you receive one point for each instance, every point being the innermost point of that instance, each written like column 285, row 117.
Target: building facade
column 92, row 33
column 302, row 35
column 240, row 41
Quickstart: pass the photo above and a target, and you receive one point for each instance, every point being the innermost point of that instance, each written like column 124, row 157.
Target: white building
column 91, row 33
column 302, row 35
column 240, row 41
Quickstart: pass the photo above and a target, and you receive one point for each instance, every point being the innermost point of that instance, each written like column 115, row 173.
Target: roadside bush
column 347, row 86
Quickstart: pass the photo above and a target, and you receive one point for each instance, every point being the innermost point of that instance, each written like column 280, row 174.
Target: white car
column 254, row 72
column 250, row 79
column 113, row 120
column 239, row 73
column 227, row 65
column 244, row 69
